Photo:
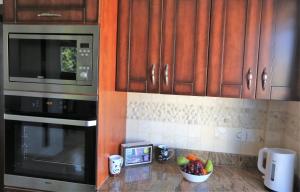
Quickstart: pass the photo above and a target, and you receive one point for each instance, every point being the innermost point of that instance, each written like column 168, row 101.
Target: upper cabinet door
column 54, row 11
column 278, row 73
column 234, row 48
column 224, row 48
column 185, row 46
column 251, row 52
column 163, row 46
column 138, row 50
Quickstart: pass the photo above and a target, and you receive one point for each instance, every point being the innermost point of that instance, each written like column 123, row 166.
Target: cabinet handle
column 249, row 79
column 153, row 74
column 264, row 79
column 49, row 15
column 167, row 74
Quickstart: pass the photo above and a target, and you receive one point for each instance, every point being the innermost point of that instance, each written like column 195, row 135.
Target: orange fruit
column 192, row 157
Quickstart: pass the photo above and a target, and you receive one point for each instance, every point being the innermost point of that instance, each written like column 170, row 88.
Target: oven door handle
column 58, row 121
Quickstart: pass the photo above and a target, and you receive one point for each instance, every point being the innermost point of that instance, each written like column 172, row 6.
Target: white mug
column 115, row 164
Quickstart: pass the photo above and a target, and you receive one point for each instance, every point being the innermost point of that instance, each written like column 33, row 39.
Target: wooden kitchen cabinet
column 222, row 48
column 138, row 48
column 234, row 48
column 253, row 50
column 278, row 71
column 163, row 46
column 51, row 11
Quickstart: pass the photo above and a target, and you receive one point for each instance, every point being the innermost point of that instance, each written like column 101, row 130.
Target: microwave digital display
column 84, row 45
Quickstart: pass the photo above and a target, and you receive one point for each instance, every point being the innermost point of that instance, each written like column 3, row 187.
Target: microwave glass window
column 68, row 59
column 138, row 155
column 42, row 58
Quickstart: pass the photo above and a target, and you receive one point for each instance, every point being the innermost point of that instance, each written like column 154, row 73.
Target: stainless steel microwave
column 51, row 58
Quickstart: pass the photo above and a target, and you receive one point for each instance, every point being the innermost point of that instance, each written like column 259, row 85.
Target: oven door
column 51, row 59
column 49, row 148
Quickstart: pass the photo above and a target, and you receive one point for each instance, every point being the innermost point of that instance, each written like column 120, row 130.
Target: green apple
column 209, row 166
column 181, row 160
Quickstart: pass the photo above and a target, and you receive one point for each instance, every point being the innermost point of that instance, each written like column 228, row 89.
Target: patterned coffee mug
column 115, row 164
column 163, row 153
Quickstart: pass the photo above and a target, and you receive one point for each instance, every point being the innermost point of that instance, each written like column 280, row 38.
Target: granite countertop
column 159, row 177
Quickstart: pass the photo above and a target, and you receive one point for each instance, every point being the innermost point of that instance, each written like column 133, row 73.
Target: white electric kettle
column 279, row 170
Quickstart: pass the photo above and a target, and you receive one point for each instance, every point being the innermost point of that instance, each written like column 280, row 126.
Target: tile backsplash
column 237, row 126
column 291, row 137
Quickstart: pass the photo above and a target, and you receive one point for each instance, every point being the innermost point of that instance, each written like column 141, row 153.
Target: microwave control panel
column 85, row 68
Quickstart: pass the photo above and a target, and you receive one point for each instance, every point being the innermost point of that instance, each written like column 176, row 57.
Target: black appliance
column 50, row 143
column 1, row 108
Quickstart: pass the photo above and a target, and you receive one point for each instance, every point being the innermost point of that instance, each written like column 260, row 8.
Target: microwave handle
column 34, row 119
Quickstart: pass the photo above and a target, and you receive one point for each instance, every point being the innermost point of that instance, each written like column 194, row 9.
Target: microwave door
column 45, row 58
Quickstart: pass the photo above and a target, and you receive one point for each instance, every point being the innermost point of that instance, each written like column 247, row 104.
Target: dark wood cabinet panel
column 52, row 11
column 251, row 48
column 163, row 46
column 91, row 11
column 224, row 48
column 202, row 46
column 185, row 41
column 168, row 44
column 285, row 51
column 155, row 23
column 279, row 61
column 216, row 47
column 123, row 45
column 138, row 51
column 9, row 11
column 265, row 54
column 186, row 16
column 185, row 57
column 24, row 16
column 234, row 47
column 42, row 3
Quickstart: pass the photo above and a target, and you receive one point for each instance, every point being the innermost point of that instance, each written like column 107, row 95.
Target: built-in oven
column 51, row 58
column 50, row 143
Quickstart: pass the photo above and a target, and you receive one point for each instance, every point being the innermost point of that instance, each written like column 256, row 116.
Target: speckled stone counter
column 159, row 177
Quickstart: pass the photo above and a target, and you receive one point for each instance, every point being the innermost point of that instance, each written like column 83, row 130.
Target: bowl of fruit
column 194, row 169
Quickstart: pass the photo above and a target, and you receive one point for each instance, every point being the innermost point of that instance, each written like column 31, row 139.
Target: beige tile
column 194, row 143
column 207, row 139
column 274, row 138
column 253, row 141
column 227, row 140
column 182, row 121
column 132, row 130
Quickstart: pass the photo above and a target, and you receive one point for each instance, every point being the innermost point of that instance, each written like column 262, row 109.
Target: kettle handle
column 261, row 155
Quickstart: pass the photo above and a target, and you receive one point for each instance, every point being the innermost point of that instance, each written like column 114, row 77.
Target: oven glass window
column 42, row 58
column 50, row 151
